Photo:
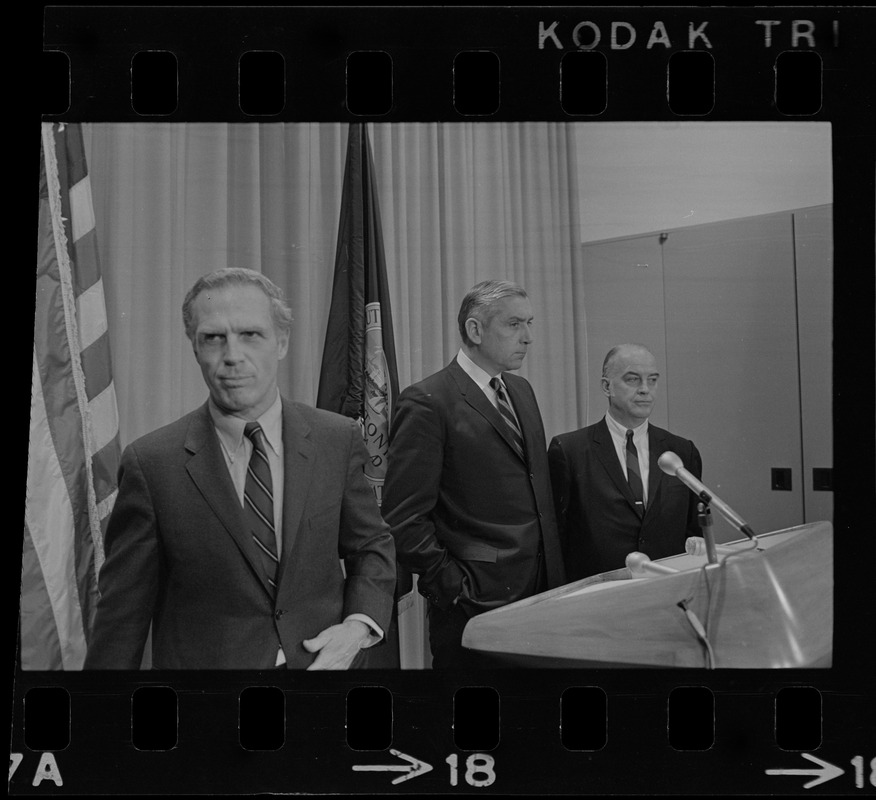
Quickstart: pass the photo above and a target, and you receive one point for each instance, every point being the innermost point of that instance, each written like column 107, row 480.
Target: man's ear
column 606, row 386
column 282, row 344
column 473, row 329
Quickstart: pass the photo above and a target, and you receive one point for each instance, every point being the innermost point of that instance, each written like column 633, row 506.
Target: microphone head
column 635, row 561
column 695, row 546
column 669, row 463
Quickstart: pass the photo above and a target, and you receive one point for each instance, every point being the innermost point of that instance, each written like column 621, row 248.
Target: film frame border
column 529, row 709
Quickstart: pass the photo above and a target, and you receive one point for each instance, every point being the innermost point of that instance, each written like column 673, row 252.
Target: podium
column 767, row 604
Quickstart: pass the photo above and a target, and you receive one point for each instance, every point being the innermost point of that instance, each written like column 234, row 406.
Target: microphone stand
column 704, row 517
column 729, row 514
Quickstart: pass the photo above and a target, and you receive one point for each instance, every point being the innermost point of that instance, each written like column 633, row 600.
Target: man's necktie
column 508, row 415
column 258, row 501
column 634, row 476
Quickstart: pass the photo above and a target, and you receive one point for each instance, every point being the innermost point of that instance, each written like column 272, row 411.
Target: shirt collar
column 230, row 428
column 639, row 432
column 479, row 375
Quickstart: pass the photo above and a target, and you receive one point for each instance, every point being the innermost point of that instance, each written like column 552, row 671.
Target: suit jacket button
column 531, row 476
column 279, row 613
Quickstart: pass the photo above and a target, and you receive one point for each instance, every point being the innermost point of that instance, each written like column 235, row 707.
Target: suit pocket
column 472, row 551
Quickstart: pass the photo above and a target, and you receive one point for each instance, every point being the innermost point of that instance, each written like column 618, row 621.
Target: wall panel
column 731, row 339
column 623, row 287
column 813, row 246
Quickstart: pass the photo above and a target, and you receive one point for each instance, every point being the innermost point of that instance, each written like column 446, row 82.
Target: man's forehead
column 637, row 361
column 244, row 304
column 514, row 306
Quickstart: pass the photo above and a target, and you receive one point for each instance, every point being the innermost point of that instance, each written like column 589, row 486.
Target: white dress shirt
column 640, row 439
column 237, row 449
column 482, row 378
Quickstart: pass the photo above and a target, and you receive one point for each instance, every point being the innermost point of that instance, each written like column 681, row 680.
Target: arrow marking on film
column 413, row 769
column 825, row 772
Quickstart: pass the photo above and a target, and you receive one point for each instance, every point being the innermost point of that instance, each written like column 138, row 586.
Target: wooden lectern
column 764, row 604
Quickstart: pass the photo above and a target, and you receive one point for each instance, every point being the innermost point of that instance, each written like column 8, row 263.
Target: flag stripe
column 87, row 264
column 97, row 371
column 105, row 507
column 91, row 312
column 72, row 153
column 40, row 645
column 105, row 468
column 81, row 209
column 104, row 415
column 49, row 507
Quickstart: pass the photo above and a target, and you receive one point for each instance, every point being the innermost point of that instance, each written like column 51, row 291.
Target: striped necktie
column 634, row 474
column 508, row 415
column 258, row 501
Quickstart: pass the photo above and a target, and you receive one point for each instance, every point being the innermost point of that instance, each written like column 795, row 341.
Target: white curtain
column 460, row 202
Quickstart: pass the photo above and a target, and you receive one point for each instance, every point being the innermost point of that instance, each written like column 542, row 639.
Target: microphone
column 696, row 546
column 671, row 464
column 639, row 565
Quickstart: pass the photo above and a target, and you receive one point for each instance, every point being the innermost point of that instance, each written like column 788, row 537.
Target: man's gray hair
column 238, row 276
column 479, row 301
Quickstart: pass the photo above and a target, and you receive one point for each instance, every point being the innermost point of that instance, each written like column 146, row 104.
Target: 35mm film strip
column 583, row 730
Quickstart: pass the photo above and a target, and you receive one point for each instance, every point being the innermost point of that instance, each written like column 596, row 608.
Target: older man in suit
column 230, row 523
column 611, row 496
column 467, row 491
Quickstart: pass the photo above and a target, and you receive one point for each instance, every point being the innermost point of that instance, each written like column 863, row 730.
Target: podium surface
column 767, row 604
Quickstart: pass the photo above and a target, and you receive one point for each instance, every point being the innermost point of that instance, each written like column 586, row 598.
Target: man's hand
column 338, row 645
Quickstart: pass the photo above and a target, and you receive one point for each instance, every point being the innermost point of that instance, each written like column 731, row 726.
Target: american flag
column 73, row 452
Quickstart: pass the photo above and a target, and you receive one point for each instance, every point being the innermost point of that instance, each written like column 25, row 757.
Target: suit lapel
column 476, row 398
column 655, row 474
column 607, row 455
column 298, row 456
column 208, row 471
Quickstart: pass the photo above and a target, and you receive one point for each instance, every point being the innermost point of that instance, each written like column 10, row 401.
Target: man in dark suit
column 229, row 523
column 611, row 496
column 467, row 490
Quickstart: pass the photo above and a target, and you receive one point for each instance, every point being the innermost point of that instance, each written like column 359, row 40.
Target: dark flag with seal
column 358, row 377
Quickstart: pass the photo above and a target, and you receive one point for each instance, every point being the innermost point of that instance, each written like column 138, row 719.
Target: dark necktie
column 258, row 501
column 508, row 415
column 634, row 476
